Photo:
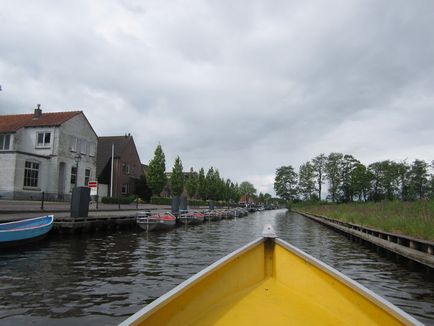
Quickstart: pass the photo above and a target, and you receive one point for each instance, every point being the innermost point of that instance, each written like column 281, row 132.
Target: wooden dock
column 93, row 223
column 421, row 251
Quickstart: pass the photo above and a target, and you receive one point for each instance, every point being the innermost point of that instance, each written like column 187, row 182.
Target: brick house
column 48, row 153
column 127, row 168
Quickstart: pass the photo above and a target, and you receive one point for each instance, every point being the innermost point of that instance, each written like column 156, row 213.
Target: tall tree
column 191, row 183
column 235, row 192
column 319, row 163
column 141, row 188
column 348, row 165
column 361, row 181
column 418, row 179
column 333, row 172
column 285, row 183
column 211, row 187
column 201, row 185
column 177, row 178
column 247, row 189
column 157, row 172
column 306, row 181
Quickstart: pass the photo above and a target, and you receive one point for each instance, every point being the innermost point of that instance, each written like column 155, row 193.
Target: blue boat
column 24, row 231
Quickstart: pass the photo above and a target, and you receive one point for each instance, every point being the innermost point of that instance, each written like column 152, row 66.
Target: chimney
column 38, row 112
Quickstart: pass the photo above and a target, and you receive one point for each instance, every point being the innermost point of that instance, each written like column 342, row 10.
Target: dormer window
column 5, row 142
column 43, row 139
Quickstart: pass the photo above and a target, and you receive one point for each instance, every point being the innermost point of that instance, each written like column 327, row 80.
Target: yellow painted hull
column 270, row 282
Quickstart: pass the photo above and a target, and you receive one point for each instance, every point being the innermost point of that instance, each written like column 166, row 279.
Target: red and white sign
column 93, row 185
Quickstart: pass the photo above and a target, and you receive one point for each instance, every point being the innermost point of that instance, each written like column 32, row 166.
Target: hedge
column 161, row 200
column 118, row 200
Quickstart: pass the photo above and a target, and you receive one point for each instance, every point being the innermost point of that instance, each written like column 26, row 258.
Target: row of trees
column 350, row 180
column 198, row 185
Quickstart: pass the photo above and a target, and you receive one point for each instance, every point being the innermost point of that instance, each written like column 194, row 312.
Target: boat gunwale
column 179, row 289
column 51, row 220
column 169, row 296
column 397, row 312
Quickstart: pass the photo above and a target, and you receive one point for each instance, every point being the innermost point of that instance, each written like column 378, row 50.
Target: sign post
column 93, row 185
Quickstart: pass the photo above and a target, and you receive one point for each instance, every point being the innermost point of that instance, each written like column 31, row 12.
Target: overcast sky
column 244, row 86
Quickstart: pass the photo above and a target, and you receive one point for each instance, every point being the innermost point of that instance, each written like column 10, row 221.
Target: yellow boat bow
column 270, row 282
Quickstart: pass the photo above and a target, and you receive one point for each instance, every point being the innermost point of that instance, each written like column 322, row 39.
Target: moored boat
column 190, row 218
column 270, row 282
column 24, row 231
column 157, row 221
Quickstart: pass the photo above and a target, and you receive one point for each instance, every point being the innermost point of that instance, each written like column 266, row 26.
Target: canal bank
column 420, row 251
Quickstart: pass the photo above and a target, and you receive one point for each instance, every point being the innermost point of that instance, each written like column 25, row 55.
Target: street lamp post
column 77, row 159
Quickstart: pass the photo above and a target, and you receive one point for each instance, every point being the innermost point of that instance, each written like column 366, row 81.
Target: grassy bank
column 415, row 219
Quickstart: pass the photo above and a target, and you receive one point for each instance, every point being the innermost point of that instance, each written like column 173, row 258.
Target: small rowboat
column 24, row 231
column 155, row 222
column 191, row 218
column 270, row 282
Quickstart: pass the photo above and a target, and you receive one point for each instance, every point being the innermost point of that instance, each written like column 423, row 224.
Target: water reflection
column 103, row 278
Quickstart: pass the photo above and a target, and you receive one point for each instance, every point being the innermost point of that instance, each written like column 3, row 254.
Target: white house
column 46, row 152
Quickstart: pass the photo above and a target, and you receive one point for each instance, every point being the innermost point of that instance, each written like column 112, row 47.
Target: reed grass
column 415, row 219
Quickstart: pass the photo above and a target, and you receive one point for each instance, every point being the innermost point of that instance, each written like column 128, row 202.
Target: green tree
column 191, row 183
column 418, row 179
column 142, row 190
column 306, row 181
column 267, row 198
column 177, row 178
column 319, row 163
column 247, row 189
column 333, row 172
column 211, row 187
column 387, row 180
column 361, row 181
column 157, row 172
column 235, row 192
column 348, row 165
column 201, row 185
column 285, row 183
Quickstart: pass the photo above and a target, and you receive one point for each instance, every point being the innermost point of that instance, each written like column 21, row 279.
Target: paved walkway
column 20, row 209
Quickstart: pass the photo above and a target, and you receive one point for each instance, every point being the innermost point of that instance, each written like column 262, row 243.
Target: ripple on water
column 103, row 278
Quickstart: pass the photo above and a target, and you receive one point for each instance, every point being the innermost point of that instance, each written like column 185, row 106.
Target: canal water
column 102, row 278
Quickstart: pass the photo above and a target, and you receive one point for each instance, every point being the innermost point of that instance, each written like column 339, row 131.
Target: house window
column 31, row 173
column 43, row 139
column 86, row 176
column 73, row 176
column 73, row 144
column 126, row 168
column 83, row 144
column 91, row 149
column 125, row 189
column 5, row 142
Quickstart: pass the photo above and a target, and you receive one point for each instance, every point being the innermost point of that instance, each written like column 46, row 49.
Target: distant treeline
column 199, row 185
column 349, row 180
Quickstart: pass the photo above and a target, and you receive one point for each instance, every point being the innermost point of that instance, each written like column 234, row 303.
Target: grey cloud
column 243, row 86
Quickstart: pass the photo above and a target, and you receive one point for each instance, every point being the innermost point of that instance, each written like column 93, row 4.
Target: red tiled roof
column 11, row 123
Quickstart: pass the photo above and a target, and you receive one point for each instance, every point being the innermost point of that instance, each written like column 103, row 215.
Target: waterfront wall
column 418, row 250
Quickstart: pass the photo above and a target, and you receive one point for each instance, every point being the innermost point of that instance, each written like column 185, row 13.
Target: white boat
column 157, row 221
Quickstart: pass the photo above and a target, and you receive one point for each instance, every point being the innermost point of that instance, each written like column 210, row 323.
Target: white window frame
column 44, row 135
column 73, row 144
column 29, row 170
column 3, row 138
column 83, row 147
column 92, row 148
column 125, row 189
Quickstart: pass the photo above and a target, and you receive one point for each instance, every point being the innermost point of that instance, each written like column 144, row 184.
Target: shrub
column 118, row 200
column 161, row 200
